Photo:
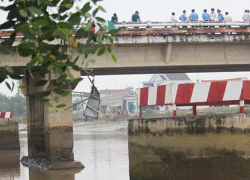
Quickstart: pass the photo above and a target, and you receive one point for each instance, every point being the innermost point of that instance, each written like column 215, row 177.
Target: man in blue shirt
column 193, row 16
column 205, row 16
column 114, row 18
column 183, row 17
column 220, row 16
column 136, row 17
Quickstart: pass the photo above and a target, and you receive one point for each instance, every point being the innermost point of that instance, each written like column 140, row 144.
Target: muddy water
column 101, row 147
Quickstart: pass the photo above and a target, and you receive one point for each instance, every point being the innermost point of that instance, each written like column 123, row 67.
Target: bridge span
column 139, row 50
column 170, row 47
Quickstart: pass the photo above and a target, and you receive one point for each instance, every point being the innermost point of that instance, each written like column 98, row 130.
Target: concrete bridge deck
column 200, row 47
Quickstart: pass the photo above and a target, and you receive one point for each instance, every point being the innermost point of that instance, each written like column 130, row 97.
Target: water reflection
column 35, row 174
column 102, row 147
column 9, row 164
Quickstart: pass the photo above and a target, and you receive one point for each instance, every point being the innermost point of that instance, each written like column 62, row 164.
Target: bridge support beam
column 50, row 130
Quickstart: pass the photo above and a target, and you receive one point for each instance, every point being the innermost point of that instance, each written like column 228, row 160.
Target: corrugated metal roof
column 176, row 76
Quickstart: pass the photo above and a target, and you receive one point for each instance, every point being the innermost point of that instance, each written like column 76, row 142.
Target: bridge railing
column 174, row 25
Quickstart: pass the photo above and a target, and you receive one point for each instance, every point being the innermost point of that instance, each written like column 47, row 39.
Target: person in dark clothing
column 114, row 18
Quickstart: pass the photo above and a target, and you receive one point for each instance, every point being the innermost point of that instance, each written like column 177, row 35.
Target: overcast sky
column 157, row 10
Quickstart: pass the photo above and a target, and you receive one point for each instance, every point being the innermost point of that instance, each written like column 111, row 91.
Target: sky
column 156, row 10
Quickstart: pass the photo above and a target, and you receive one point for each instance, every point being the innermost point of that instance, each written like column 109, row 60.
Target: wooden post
column 242, row 106
column 194, row 110
column 174, row 110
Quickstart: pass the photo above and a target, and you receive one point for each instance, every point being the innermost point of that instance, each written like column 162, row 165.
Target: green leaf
column 74, row 19
column 46, row 93
column 63, row 33
column 77, row 80
column 22, row 27
column 86, row 8
column 47, row 103
column 8, row 69
column 40, row 23
column 68, row 5
column 95, row 12
column 101, row 9
column 34, row 11
column 40, row 83
column 2, row 76
column 61, row 92
column 8, row 85
column 113, row 57
column 100, row 19
column 32, row 62
column 23, row 13
column 101, row 51
column 60, row 64
column 15, row 76
column 113, row 31
column 60, row 105
column 7, row 25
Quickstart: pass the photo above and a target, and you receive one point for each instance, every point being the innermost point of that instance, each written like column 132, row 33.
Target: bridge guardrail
column 157, row 25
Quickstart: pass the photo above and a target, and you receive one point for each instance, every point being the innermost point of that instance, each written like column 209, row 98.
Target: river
column 101, row 146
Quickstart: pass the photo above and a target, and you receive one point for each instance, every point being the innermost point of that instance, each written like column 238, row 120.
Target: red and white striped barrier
column 6, row 115
column 203, row 93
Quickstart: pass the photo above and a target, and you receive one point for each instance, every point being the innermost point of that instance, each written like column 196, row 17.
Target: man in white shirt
column 246, row 16
column 172, row 18
column 227, row 18
column 213, row 15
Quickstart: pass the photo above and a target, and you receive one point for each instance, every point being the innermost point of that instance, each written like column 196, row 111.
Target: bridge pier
column 50, row 130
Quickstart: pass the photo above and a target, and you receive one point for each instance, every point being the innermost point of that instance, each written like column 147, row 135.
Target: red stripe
column 10, row 115
column 184, row 93
column 245, row 92
column 2, row 115
column 216, row 91
column 144, row 96
column 161, row 91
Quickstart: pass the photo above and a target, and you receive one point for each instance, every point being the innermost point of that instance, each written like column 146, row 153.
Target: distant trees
column 15, row 104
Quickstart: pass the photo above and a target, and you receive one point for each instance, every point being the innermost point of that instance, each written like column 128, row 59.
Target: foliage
column 50, row 32
column 15, row 104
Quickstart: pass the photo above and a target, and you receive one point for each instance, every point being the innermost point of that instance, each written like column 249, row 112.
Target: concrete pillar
column 35, row 125
column 174, row 110
column 242, row 106
column 59, row 131
column 50, row 130
column 9, row 135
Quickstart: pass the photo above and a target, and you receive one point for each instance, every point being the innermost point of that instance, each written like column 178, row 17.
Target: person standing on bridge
column 172, row 17
column 220, row 16
column 193, row 16
column 183, row 17
column 114, row 18
column 227, row 18
column 205, row 16
column 135, row 17
column 246, row 16
column 213, row 15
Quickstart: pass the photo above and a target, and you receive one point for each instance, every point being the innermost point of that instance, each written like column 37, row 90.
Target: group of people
column 206, row 17
column 135, row 18
column 193, row 17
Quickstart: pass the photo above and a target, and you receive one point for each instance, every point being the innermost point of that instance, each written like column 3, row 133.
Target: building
column 118, row 101
column 168, row 78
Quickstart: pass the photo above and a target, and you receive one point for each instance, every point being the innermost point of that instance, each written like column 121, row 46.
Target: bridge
column 170, row 47
column 140, row 48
